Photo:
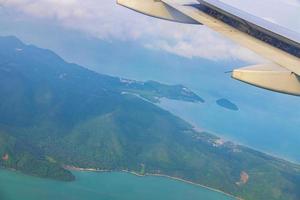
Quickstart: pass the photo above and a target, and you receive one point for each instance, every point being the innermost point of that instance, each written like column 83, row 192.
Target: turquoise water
column 101, row 186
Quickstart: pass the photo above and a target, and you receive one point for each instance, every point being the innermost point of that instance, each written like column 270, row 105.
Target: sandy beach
column 73, row 168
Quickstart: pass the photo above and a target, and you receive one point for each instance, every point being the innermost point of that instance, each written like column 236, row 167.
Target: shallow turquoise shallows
column 101, row 186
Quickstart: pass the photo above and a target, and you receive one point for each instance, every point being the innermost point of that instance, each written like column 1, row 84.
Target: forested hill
column 54, row 113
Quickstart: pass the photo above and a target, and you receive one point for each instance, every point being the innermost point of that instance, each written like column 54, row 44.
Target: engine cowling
column 271, row 77
column 158, row 9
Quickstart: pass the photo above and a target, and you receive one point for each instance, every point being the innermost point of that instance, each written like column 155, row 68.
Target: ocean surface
column 101, row 186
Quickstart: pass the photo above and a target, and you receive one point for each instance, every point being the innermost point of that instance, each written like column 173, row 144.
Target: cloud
column 108, row 21
column 200, row 42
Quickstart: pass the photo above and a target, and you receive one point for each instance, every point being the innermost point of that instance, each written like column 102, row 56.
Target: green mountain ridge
column 54, row 113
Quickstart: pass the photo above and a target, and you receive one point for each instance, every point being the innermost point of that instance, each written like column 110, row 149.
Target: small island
column 225, row 103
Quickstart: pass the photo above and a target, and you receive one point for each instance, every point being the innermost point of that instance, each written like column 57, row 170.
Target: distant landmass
column 225, row 103
column 55, row 114
column 153, row 91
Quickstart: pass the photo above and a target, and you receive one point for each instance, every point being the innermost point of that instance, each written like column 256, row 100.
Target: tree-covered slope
column 53, row 113
column 19, row 155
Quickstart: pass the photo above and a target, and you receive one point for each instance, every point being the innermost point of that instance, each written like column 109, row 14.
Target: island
column 225, row 103
column 55, row 114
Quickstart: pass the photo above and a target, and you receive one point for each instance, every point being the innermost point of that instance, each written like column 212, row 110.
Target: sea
column 101, row 186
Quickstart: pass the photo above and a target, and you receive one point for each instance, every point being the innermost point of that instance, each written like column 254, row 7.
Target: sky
column 107, row 21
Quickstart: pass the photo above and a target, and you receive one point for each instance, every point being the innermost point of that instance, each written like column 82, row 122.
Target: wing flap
column 271, row 77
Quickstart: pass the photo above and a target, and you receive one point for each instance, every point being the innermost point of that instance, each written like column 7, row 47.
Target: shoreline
column 73, row 168
column 229, row 138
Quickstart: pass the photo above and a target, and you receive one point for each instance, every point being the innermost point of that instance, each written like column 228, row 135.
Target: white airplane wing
column 277, row 44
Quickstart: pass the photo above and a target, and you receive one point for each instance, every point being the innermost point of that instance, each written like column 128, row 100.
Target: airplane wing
column 277, row 44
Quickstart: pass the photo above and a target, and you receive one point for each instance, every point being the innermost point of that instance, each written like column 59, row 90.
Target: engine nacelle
column 158, row 9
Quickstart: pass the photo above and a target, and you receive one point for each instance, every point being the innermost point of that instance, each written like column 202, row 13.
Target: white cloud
column 106, row 20
column 201, row 42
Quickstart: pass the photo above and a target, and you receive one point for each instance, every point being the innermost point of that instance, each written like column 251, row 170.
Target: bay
column 98, row 186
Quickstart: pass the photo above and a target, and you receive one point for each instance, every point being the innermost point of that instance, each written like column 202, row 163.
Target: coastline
column 226, row 137
column 73, row 168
